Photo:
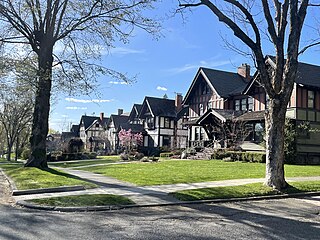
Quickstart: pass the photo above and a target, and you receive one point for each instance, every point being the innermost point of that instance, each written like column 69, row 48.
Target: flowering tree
column 129, row 140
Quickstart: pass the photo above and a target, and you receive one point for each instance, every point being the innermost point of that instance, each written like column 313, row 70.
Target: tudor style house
column 162, row 121
column 216, row 97
column 92, row 132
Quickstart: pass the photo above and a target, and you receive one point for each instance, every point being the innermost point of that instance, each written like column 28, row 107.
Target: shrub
column 138, row 156
column 124, row 157
column 166, row 154
column 248, row 156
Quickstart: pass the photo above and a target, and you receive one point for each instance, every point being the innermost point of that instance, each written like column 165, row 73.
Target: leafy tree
column 66, row 37
column 282, row 22
column 15, row 116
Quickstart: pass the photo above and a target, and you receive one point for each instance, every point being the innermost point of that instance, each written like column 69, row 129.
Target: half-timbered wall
column 202, row 98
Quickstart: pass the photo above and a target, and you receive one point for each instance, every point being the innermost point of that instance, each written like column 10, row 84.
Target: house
column 162, row 121
column 92, row 132
column 216, row 97
column 303, row 108
column 115, row 123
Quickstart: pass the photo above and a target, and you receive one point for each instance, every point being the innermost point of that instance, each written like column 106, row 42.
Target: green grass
column 175, row 171
column 34, row 178
column 248, row 190
column 84, row 200
column 83, row 162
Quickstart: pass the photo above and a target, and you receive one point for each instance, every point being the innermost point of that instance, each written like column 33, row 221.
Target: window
column 200, row 109
column 210, row 105
column 205, row 89
column 150, row 122
column 244, row 104
column 237, row 105
column 250, row 103
column 310, row 99
column 166, row 122
column 267, row 101
column 166, row 141
column 97, row 125
column 197, row 133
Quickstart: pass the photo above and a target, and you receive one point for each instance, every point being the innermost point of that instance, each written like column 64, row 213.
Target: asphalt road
column 273, row 219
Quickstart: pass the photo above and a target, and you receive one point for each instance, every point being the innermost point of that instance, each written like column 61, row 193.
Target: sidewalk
column 148, row 195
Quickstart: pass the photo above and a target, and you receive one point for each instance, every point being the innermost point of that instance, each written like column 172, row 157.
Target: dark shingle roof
column 308, row 75
column 119, row 120
column 88, row 120
column 251, row 116
column 135, row 111
column 160, row 106
column 225, row 83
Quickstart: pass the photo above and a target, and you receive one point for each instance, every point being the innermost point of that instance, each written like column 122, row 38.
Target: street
column 273, row 219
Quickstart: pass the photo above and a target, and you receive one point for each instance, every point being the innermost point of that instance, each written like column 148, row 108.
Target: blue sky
column 164, row 66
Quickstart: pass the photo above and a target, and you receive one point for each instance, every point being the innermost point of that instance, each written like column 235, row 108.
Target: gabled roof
column 158, row 107
column 222, row 114
column 89, row 120
column 135, row 111
column 136, row 128
column 75, row 128
column 222, row 83
column 307, row 75
column 118, row 120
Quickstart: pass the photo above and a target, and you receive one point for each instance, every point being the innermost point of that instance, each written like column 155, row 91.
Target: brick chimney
column 120, row 111
column 101, row 116
column 244, row 70
column 178, row 101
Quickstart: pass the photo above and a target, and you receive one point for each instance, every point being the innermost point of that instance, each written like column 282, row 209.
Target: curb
column 48, row 190
column 109, row 208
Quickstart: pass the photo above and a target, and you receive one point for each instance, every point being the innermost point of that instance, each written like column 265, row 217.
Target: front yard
column 192, row 171
column 34, row 178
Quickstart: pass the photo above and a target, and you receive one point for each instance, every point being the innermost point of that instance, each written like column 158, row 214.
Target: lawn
column 191, row 171
column 99, row 160
column 248, row 190
column 34, row 178
column 84, row 200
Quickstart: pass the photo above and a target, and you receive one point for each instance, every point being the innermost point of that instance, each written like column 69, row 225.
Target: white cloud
column 88, row 101
column 202, row 63
column 161, row 88
column 121, row 83
column 76, row 108
column 125, row 51
column 64, row 116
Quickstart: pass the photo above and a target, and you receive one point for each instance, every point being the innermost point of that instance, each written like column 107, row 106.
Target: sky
column 164, row 66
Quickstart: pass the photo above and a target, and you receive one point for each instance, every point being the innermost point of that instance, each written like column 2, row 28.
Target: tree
column 66, row 36
column 15, row 116
column 284, row 21
column 129, row 140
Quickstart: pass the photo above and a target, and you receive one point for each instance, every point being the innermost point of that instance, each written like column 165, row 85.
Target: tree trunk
column 40, row 127
column 275, row 123
column 9, row 149
column 17, row 148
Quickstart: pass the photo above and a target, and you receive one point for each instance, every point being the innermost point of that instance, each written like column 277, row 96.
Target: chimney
column 178, row 101
column 101, row 116
column 244, row 70
column 120, row 111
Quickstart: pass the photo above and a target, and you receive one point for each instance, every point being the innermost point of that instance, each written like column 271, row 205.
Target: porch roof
column 252, row 116
column 222, row 114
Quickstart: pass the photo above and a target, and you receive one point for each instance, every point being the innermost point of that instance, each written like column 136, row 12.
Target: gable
column 221, row 83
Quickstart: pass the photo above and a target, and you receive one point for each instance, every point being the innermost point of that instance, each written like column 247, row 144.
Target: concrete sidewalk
column 148, row 195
